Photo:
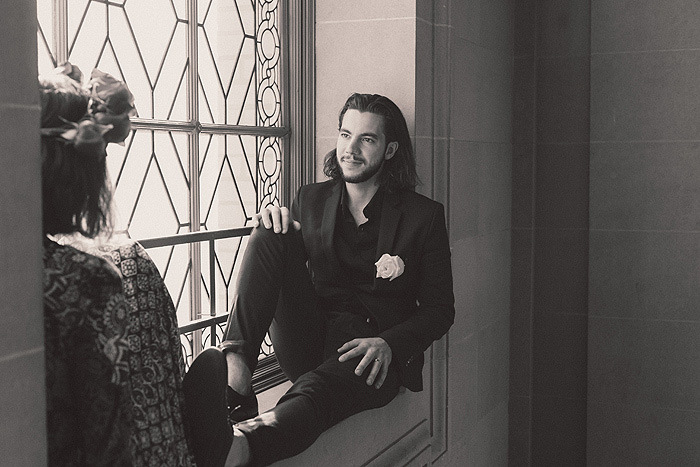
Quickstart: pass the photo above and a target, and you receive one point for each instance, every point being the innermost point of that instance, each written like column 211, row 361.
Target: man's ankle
column 239, row 376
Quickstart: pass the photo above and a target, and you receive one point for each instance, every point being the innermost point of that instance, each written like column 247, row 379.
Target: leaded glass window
column 211, row 139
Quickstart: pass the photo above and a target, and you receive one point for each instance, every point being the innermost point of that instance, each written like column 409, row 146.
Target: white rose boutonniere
column 389, row 267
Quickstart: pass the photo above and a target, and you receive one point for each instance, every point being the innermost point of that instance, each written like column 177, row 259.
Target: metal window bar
column 289, row 22
column 268, row 373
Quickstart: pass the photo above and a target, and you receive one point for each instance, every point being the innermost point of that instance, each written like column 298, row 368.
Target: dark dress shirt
column 355, row 247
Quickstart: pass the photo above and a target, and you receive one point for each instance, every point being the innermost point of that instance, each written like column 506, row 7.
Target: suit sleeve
column 296, row 206
column 435, row 312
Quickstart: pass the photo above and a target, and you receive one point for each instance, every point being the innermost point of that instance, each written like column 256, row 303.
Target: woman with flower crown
column 114, row 366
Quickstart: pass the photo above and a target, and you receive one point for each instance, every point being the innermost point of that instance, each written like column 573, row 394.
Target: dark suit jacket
column 412, row 310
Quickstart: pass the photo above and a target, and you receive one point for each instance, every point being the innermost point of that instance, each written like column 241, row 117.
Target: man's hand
column 277, row 218
column 377, row 353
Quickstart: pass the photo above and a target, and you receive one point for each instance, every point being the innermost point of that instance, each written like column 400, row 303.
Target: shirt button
column 368, row 320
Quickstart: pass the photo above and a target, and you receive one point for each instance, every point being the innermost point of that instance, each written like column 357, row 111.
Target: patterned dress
column 156, row 365
column 85, row 327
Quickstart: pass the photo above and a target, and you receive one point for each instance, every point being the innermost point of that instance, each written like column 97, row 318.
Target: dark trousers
column 275, row 292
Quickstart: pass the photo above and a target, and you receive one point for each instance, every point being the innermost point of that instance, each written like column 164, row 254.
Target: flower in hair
column 70, row 70
column 112, row 104
column 86, row 136
column 87, row 117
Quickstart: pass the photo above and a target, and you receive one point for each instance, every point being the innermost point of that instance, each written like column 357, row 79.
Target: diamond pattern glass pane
column 87, row 33
column 239, row 175
column 123, row 39
column 45, row 34
column 239, row 62
column 151, row 187
column 237, row 83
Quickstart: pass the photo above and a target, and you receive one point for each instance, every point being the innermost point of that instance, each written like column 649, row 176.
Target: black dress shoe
column 241, row 407
column 209, row 430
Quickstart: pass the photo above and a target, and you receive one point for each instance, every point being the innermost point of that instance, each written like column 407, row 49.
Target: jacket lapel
column 387, row 229
column 330, row 212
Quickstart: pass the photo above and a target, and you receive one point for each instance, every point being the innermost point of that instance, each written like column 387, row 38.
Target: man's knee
column 210, row 362
column 264, row 241
column 261, row 234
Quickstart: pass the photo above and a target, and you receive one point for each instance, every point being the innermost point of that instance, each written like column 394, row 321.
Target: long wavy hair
column 75, row 188
column 399, row 172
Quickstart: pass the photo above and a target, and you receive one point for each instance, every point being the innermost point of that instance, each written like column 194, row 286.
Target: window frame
column 296, row 134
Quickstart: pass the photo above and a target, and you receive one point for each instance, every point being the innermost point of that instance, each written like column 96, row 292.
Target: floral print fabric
column 156, row 364
column 86, row 350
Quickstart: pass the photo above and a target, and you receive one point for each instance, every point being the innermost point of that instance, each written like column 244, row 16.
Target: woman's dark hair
column 75, row 189
column 399, row 171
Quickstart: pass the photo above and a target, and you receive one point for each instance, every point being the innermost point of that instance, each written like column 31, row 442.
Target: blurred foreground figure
column 114, row 366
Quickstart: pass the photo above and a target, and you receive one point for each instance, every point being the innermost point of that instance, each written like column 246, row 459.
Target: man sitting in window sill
column 350, row 329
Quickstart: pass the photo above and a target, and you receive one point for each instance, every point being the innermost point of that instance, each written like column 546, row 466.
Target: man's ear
column 391, row 149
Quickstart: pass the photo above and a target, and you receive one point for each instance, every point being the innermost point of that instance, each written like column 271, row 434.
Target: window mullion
column 60, row 30
column 306, row 125
column 193, row 142
column 298, row 112
column 287, row 114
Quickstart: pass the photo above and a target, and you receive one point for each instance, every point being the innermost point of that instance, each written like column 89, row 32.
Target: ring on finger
column 378, row 360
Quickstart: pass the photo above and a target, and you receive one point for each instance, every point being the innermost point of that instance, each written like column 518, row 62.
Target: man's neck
column 359, row 195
